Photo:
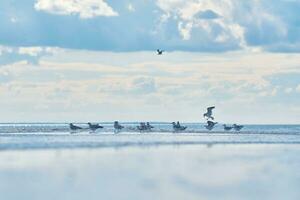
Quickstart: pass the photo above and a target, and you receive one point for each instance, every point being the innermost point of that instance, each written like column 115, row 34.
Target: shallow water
column 232, row 171
column 106, row 140
column 131, row 127
column 47, row 161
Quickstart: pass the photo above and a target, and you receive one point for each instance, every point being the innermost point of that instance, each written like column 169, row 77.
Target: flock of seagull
column 177, row 127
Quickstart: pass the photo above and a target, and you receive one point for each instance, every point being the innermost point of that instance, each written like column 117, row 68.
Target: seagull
column 178, row 127
column 118, row 127
column 237, row 127
column 159, row 52
column 142, row 127
column 208, row 114
column 149, row 127
column 227, row 128
column 210, row 125
column 73, row 127
column 94, row 127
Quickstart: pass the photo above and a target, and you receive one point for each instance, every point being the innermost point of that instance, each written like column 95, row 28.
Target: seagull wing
column 209, row 109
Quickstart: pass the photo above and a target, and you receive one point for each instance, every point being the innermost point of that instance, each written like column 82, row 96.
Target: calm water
column 48, row 161
column 192, row 172
column 41, row 136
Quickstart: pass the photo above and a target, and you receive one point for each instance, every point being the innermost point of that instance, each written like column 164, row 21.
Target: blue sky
column 94, row 60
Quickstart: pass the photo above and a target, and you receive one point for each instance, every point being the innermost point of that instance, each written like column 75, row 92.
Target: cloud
column 9, row 54
column 236, row 24
column 298, row 88
column 130, row 8
column 73, row 81
column 59, row 93
column 194, row 19
column 84, row 8
column 143, row 85
column 131, row 87
column 13, row 20
column 5, row 77
column 5, row 49
column 288, row 90
column 32, row 51
column 175, row 25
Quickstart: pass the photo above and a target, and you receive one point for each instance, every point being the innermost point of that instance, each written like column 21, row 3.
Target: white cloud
column 5, row 76
column 230, row 22
column 186, row 25
column 185, row 30
column 298, row 88
column 143, row 85
column 79, row 81
column 31, row 51
column 130, row 7
column 288, row 90
column 84, row 8
column 5, row 49
column 211, row 18
column 14, row 19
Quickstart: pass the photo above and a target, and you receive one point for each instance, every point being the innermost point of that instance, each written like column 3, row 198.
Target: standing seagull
column 94, row 127
column 149, row 127
column 227, row 128
column 118, row 127
column 237, row 127
column 159, row 52
column 178, row 127
column 142, row 127
column 73, row 127
column 210, row 125
column 208, row 114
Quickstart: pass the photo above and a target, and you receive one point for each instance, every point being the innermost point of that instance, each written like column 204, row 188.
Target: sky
column 95, row 60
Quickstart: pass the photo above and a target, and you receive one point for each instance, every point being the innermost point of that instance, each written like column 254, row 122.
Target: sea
column 163, row 127
column 59, row 135
column 49, row 161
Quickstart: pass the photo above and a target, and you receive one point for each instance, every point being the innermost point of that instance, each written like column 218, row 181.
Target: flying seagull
column 159, row 52
column 237, row 127
column 208, row 114
column 210, row 125
column 94, row 127
column 73, row 127
column 118, row 127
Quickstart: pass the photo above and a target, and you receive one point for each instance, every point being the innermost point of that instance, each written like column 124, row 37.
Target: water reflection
column 161, row 172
